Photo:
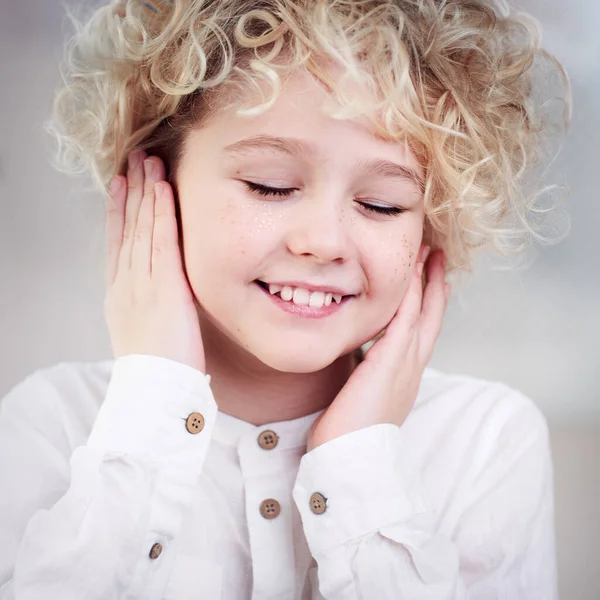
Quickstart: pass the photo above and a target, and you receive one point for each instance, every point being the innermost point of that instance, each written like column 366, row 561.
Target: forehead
column 303, row 107
column 299, row 94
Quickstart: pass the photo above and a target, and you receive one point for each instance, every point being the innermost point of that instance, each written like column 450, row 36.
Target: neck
column 246, row 388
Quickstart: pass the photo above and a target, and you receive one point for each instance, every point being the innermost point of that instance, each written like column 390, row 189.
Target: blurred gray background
column 534, row 328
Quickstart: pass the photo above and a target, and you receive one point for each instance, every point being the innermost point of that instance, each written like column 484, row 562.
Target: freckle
column 264, row 221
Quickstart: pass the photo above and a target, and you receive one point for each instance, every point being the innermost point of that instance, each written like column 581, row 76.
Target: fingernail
column 135, row 158
column 426, row 253
column 420, row 269
column 148, row 167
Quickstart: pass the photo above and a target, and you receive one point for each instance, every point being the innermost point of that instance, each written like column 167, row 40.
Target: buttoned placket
column 267, row 458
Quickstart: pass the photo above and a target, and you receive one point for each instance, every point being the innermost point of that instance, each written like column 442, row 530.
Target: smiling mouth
column 322, row 304
column 265, row 287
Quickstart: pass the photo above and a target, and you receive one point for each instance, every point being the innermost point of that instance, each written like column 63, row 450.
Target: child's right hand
column 149, row 306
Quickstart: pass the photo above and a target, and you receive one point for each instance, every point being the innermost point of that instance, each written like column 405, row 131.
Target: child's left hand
column 384, row 387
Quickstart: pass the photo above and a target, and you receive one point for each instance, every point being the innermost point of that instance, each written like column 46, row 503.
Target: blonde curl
column 454, row 79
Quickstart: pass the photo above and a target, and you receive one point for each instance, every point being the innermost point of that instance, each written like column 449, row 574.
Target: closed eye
column 264, row 190
column 383, row 210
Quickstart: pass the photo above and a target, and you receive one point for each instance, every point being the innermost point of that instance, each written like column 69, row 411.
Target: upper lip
column 311, row 287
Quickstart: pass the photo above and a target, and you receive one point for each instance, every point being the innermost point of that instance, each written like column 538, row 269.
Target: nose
column 317, row 229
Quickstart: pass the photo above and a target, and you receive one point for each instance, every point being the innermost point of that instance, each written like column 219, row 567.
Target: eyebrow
column 300, row 148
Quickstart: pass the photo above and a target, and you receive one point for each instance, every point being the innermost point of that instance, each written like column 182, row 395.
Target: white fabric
column 96, row 465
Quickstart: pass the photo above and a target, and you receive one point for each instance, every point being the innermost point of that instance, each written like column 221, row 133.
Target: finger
column 141, row 252
column 400, row 332
column 435, row 300
column 135, row 193
column 154, row 171
column 115, row 219
column 166, row 257
column 410, row 308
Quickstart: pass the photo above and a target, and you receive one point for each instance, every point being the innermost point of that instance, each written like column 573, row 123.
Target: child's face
column 319, row 234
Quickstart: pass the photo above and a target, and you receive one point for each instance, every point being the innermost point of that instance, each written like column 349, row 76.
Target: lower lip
column 305, row 311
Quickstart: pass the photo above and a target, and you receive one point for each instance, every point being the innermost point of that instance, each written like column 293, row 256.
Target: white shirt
column 98, row 464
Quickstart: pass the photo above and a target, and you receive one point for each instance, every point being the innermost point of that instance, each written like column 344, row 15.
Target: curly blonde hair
column 454, row 79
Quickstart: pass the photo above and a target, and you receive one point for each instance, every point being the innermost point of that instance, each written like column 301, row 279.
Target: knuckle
column 413, row 316
column 113, row 207
column 141, row 233
column 127, row 232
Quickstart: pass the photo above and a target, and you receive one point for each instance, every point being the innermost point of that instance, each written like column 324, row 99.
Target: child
column 290, row 183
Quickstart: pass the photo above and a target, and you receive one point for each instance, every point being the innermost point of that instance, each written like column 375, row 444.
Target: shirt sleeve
column 82, row 526
column 380, row 536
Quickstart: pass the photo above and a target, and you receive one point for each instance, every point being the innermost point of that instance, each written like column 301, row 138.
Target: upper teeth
column 303, row 297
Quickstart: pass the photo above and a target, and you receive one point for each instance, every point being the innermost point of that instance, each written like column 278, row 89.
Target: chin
column 294, row 360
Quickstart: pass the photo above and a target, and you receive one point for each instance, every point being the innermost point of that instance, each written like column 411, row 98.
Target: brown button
column 270, row 508
column 194, row 423
column 155, row 551
column 268, row 439
column 318, row 503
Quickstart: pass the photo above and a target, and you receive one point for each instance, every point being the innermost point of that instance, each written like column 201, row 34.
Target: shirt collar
column 292, row 433
column 230, row 430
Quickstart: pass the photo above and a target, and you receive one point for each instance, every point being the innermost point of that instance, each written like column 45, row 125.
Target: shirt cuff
column 367, row 482
column 144, row 414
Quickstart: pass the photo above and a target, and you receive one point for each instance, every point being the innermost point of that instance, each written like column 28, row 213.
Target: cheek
column 250, row 228
column 391, row 262
column 229, row 237
column 389, row 252
column 408, row 255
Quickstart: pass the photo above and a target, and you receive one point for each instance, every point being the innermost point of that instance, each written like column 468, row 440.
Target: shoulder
column 61, row 400
column 475, row 398
column 463, row 413
column 467, row 434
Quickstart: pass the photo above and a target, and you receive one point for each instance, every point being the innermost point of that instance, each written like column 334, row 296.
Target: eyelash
column 264, row 190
